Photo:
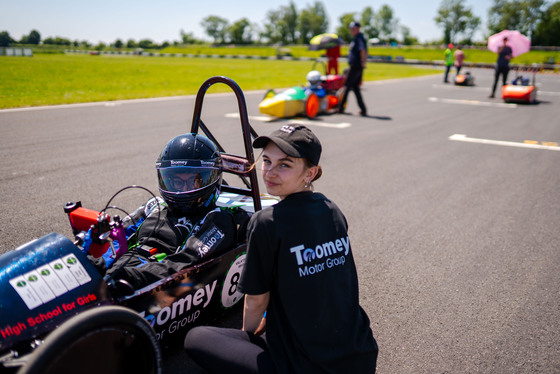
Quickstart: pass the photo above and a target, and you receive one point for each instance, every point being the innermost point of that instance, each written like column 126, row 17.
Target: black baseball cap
column 295, row 141
column 354, row 24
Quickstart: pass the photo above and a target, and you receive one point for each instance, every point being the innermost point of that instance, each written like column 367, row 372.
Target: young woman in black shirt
column 299, row 278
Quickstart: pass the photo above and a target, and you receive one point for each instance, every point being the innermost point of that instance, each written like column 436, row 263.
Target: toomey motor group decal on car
column 187, row 309
column 329, row 254
column 179, row 311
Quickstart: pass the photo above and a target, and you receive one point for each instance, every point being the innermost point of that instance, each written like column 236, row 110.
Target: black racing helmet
column 189, row 173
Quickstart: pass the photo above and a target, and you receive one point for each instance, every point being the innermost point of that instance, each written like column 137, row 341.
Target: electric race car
column 521, row 90
column 321, row 94
column 59, row 315
column 464, row 79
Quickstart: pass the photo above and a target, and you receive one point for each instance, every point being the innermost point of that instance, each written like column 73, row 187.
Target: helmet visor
column 186, row 178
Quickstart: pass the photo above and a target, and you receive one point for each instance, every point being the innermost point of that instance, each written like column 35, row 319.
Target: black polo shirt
column 358, row 44
column 299, row 251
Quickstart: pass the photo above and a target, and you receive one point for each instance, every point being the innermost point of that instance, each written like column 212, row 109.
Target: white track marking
column 128, row 101
column 452, row 86
column 548, row 93
column 303, row 121
column 464, row 138
column 473, row 88
column 472, row 102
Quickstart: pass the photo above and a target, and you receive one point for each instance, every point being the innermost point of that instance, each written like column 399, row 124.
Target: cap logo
column 287, row 128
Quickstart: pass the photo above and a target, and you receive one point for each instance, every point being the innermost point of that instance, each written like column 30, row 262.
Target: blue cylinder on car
column 42, row 284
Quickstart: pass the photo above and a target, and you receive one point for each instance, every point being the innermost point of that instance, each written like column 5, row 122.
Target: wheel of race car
column 110, row 339
column 312, row 106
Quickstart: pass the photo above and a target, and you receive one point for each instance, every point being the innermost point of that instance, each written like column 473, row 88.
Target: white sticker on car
column 230, row 292
column 45, row 283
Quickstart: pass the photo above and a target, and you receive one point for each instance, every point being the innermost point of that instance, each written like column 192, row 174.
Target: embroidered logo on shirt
column 328, row 254
column 153, row 206
column 185, row 223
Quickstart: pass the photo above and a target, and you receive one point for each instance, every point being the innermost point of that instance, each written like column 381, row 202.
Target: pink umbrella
column 518, row 42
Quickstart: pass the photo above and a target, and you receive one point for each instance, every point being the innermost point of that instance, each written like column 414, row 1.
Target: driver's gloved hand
column 109, row 256
column 87, row 242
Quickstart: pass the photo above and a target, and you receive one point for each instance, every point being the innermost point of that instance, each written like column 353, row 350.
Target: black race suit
column 185, row 241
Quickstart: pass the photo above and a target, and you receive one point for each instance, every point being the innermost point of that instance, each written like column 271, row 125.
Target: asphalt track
column 452, row 198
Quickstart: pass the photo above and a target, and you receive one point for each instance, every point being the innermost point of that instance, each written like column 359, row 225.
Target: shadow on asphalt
column 382, row 118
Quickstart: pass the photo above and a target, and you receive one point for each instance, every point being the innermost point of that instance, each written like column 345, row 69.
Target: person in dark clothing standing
column 357, row 58
column 502, row 66
column 299, row 278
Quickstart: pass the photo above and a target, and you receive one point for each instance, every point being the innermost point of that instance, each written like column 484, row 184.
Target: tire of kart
column 312, row 106
column 108, row 339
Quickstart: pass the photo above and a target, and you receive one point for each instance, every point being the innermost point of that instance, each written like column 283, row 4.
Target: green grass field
column 50, row 79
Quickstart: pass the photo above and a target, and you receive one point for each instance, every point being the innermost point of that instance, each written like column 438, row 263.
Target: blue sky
column 104, row 20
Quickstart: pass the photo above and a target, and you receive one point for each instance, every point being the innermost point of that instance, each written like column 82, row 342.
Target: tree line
column 285, row 25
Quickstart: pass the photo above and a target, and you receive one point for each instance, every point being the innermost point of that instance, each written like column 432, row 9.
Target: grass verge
column 66, row 79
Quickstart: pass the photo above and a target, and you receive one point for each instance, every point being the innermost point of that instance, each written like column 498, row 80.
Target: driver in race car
column 181, row 227
column 314, row 84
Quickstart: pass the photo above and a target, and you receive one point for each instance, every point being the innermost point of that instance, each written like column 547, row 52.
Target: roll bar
column 248, row 134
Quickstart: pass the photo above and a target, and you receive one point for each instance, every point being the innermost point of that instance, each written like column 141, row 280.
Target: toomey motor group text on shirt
column 330, row 251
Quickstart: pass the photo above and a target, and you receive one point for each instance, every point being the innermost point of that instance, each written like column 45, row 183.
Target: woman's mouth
column 270, row 183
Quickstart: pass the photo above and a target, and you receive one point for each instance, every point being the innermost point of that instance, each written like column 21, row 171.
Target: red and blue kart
column 59, row 315
column 310, row 100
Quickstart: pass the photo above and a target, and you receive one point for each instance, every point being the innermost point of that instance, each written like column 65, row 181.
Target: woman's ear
column 311, row 173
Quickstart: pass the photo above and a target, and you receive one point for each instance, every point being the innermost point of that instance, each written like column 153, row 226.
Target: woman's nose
column 270, row 170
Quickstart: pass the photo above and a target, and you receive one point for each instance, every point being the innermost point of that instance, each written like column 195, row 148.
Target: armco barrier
column 193, row 55
column 16, row 51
